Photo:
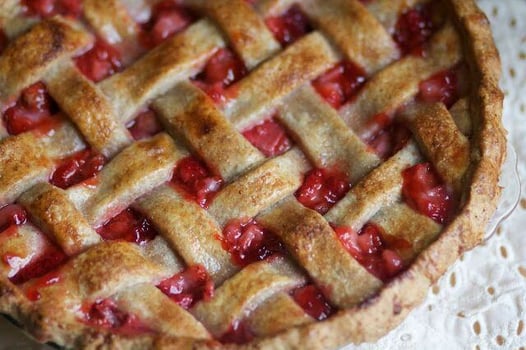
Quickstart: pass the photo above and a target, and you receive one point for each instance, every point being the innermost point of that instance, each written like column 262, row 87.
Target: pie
column 255, row 174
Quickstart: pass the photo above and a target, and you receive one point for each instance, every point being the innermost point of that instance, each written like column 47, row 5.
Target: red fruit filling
column 195, row 180
column 322, row 188
column 48, row 8
column 189, row 286
column 129, row 226
column 424, row 191
column 238, row 333
column 290, row 26
column 374, row 250
column 248, row 242
column 442, row 87
column 3, row 41
column 311, row 299
column 222, row 70
column 32, row 290
column 100, row 62
column 269, row 137
column 389, row 140
column 34, row 109
column 50, row 259
column 77, row 168
column 339, row 84
column 145, row 125
column 168, row 18
column 413, row 29
column 12, row 214
column 106, row 314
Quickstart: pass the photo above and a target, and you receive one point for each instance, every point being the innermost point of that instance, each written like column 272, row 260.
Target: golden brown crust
column 385, row 311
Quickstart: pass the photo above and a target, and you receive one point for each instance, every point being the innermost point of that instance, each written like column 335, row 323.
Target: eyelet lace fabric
column 479, row 303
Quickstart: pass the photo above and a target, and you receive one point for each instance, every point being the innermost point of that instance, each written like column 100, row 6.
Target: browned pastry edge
column 374, row 318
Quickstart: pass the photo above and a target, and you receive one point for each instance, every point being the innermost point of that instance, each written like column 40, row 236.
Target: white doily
column 480, row 302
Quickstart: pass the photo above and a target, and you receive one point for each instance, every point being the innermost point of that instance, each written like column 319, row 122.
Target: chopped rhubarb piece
column 222, row 70
column 195, row 180
column 100, row 62
column 311, row 299
column 145, row 125
column 12, row 214
column 32, row 291
column 189, row 286
column 106, row 314
column 378, row 252
column 50, row 259
column 442, row 87
column 269, row 137
column 322, row 188
column 413, row 29
column 34, row 109
column 3, row 41
column 168, row 18
column 424, row 191
column 129, row 226
column 248, row 242
column 77, row 168
column 238, row 333
column 48, row 8
column 290, row 26
column 339, row 84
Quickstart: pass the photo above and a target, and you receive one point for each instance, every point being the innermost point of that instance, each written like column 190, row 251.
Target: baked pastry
column 272, row 174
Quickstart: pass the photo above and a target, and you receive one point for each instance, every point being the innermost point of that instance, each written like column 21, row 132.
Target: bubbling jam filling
column 106, row 314
column 425, row 192
column 223, row 69
column 290, row 26
column 12, row 214
column 238, row 333
column 442, row 87
column 378, row 252
column 269, row 137
column 322, row 188
column 189, row 286
column 100, row 62
column 248, row 242
column 387, row 137
column 48, row 8
column 340, row 84
column 35, row 109
column 77, row 168
column 130, row 226
column 145, row 125
column 33, row 288
column 49, row 260
column 168, row 18
column 413, row 28
column 193, row 178
column 311, row 299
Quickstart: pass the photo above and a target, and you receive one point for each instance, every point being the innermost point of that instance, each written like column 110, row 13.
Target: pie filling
column 130, row 226
column 106, row 314
column 269, row 137
column 246, row 240
column 34, row 110
column 189, row 286
column 193, row 179
column 78, row 168
column 322, row 188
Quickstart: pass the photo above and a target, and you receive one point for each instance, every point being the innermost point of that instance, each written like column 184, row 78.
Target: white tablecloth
column 480, row 302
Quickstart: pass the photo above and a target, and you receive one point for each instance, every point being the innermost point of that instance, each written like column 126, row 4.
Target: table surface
column 479, row 302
